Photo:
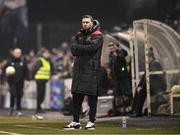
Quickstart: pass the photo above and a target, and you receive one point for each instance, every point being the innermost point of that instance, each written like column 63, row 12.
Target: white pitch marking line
column 47, row 128
column 10, row 133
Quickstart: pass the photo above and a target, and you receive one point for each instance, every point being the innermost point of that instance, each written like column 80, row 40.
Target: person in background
column 157, row 86
column 16, row 80
column 120, row 79
column 87, row 52
column 41, row 73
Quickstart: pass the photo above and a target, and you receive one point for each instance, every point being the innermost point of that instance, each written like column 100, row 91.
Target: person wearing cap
column 87, row 52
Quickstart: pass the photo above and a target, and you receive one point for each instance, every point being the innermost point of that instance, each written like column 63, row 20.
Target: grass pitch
column 27, row 126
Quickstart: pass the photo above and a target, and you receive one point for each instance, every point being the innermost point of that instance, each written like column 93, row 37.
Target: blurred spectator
column 157, row 86
column 30, row 55
column 64, row 46
column 67, row 65
column 62, row 62
column 31, row 61
column 120, row 79
column 176, row 25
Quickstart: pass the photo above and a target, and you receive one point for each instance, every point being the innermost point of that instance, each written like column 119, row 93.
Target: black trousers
column 138, row 102
column 41, row 87
column 16, row 93
column 77, row 101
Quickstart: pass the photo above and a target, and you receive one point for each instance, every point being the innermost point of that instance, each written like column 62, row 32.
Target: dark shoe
column 72, row 126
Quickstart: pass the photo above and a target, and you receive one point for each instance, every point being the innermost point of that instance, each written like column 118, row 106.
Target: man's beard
column 87, row 29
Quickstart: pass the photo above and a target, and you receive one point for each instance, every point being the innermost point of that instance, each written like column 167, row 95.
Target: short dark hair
column 16, row 48
column 42, row 50
column 88, row 16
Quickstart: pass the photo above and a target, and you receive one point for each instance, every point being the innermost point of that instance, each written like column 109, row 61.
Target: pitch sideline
column 10, row 133
column 47, row 128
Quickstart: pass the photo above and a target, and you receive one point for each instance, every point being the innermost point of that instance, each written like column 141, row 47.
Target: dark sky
column 71, row 10
column 106, row 10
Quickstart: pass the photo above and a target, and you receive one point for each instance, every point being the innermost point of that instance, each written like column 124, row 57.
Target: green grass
column 25, row 125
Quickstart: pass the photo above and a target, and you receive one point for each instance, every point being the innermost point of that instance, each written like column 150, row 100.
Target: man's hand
column 112, row 50
column 138, row 89
column 110, row 92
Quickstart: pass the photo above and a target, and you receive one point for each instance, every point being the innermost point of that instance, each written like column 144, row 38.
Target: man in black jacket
column 16, row 80
column 87, row 52
column 157, row 86
column 120, row 79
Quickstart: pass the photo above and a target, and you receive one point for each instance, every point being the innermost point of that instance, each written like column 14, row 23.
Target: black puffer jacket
column 87, row 62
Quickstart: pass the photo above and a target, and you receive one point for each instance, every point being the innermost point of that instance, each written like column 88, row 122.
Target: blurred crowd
column 60, row 58
column 175, row 24
column 62, row 61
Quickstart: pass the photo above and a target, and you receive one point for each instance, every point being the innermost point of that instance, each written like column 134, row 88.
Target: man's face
column 17, row 53
column 111, row 48
column 87, row 23
column 46, row 54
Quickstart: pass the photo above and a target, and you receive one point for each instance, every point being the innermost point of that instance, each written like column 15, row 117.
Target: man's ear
column 92, row 25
